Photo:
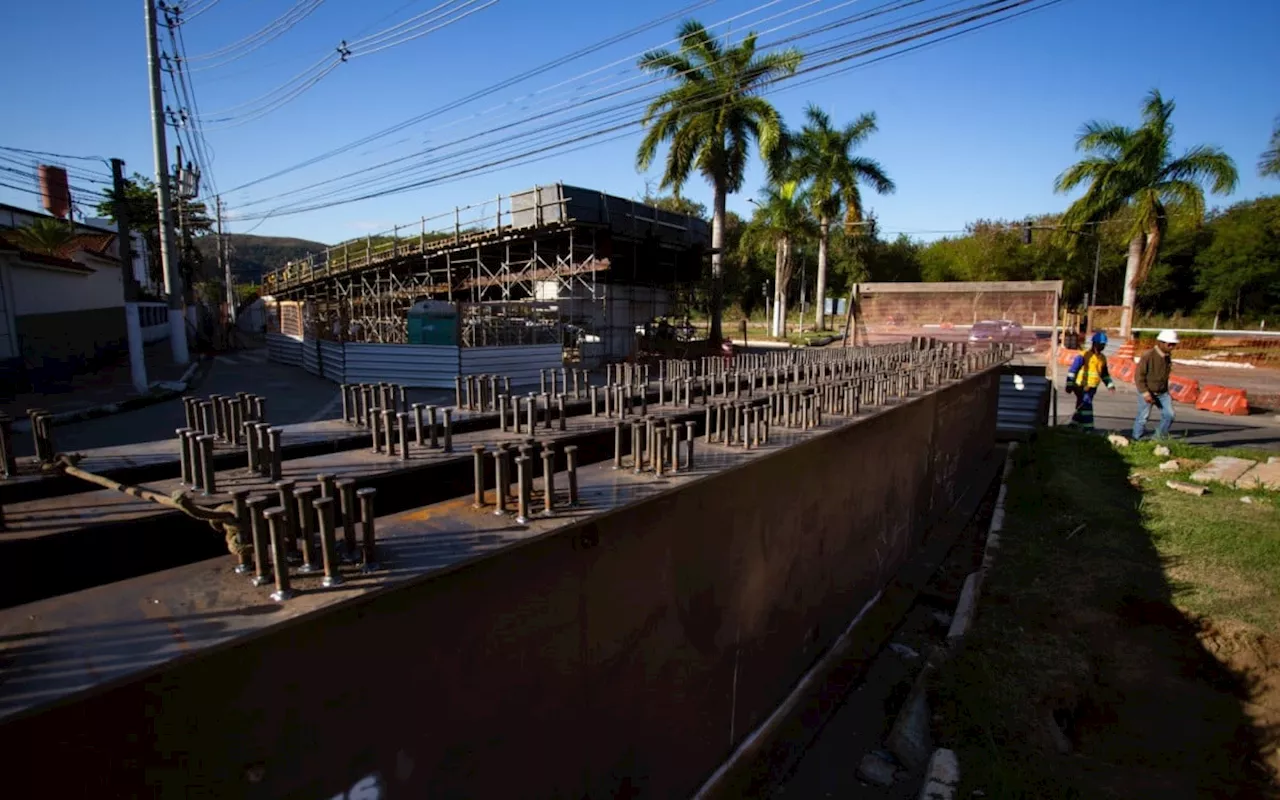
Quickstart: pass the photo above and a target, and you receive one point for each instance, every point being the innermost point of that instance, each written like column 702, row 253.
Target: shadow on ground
column 1081, row 678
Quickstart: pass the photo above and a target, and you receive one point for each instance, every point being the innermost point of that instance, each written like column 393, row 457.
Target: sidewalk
column 111, row 385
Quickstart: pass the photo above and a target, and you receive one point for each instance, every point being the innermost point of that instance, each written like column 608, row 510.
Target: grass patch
column 1088, row 626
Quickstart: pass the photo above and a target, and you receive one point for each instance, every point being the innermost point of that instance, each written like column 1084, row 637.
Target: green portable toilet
column 433, row 322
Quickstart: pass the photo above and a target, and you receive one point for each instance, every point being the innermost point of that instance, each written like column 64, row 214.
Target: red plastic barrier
column 1122, row 369
column 1184, row 390
column 1223, row 400
column 1065, row 356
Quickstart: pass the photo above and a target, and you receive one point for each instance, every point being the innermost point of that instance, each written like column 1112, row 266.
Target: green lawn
column 1108, row 595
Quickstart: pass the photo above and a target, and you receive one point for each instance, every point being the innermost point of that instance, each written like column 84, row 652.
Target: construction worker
column 1087, row 371
column 1152, row 381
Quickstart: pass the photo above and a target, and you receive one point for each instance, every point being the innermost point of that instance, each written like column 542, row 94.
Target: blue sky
column 977, row 127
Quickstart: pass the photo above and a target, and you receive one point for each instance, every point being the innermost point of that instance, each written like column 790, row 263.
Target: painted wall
column 47, row 290
column 625, row 656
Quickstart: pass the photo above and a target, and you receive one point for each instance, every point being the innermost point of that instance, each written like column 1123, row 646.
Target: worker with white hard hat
column 1152, row 382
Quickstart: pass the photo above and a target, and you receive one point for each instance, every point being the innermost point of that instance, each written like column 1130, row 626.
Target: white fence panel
column 520, row 363
column 284, row 349
column 333, row 361
column 417, row 365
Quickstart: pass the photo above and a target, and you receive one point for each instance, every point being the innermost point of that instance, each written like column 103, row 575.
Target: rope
column 221, row 518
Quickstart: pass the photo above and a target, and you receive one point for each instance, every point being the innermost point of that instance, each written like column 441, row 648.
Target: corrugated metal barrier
column 284, row 349
column 311, row 356
column 417, row 365
column 520, row 364
column 333, row 361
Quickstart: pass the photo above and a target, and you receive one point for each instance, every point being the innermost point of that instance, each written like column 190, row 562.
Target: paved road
column 292, row 394
column 1115, row 412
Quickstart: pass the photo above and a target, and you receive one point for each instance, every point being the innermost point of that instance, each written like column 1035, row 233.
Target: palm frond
column 1201, row 163
column 1269, row 163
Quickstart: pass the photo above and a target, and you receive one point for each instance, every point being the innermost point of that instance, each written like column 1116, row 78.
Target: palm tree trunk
column 717, row 275
column 820, row 294
column 779, row 292
column 1130, row 296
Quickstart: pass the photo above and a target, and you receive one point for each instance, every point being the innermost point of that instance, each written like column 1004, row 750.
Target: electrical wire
column 469, row 141
column 858, row 49
column 419, row 31
column 265, row 35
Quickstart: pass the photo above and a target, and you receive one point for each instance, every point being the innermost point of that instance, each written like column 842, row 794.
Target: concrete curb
column 909, row 738
column 158, row 393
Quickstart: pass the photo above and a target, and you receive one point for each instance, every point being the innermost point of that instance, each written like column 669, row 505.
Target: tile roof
column 43, row 259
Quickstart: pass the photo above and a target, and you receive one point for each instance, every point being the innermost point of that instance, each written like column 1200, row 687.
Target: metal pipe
column 8, row 458
column 184, row 456
column 595, row 396
column 500, row 480
column 323, row 507
column 417, row 424
column 210, row 482
column 388, row 430
column 277, row 454
column 263, row 441
column 241, row 510
column 690, row 428
column 260, row 408
column 375, row 425
column 347, row 495
column 448, row 430
column 549, row 479
column 284, row 499
column 258, row 528
column 706, row 429
column 560, row 411
column 187, row 406
column 402, row 418
column 477, row 454
column 524, row 467
column 571, row 467
column 431, row 426
column 457, row 391
column 657, row 453
column 502, row 413
column 237, row 420
column 546, row 402
column 404, row 399
column 276, row 518
column 532, row 410
column 368, row 545
column 306, row 527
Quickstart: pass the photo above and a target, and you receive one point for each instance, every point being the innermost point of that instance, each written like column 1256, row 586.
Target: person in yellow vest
column 1088, row 370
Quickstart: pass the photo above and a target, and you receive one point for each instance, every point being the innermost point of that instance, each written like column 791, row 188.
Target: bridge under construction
column 516, row 266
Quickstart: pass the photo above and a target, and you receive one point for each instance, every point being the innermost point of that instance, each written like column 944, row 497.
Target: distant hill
column 253, row 255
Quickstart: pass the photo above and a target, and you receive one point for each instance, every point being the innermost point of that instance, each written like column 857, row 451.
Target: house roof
column 98, row 244
column 41, row 214
column 41, row 259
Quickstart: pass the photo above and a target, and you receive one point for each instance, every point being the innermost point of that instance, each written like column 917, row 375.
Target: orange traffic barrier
column 1122, row 369
column 1065, row 356
column 1223, row 400
column 1125, row 352
column 1184, row 390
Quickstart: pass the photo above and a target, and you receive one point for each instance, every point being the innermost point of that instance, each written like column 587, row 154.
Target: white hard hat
column 1168, row 337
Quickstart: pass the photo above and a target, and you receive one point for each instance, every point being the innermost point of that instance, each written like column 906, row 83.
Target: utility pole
column 172, row 281
column 224, row 264
column 124, row 242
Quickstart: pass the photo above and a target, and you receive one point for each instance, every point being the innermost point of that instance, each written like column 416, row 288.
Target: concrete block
column 942, row 776
column 1266, row 476
column 909, row 739
column 1170, row 466
column 1117, row 440
column 1160, row 450
column 1186, row 488
column 964, row 608
column 876, row 771
column 1222, row 469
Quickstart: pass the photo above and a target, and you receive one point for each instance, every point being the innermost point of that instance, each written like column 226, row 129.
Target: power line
column 469, row 141
column 268, row 33
column 906, row 34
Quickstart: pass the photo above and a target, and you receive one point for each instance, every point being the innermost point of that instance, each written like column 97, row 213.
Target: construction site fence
column 412, row 365
column 1242, row 349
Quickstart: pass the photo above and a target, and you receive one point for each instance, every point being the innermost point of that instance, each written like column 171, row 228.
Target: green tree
column 710, row 117
column 673, row 203
column 1239, row 270
column 44, row 236
column 823, row 157
column 1269, row 164
column 139, row 200
column 780, row 221
column 1131, row 174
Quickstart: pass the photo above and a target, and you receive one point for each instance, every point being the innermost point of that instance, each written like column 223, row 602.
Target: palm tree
column 823, row 156
column 781, row 219
column 1133, row 176
column 45, row 236
column 710, row 117
column 1269, row 164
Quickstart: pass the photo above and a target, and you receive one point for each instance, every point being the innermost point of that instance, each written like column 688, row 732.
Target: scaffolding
column 550, row 264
